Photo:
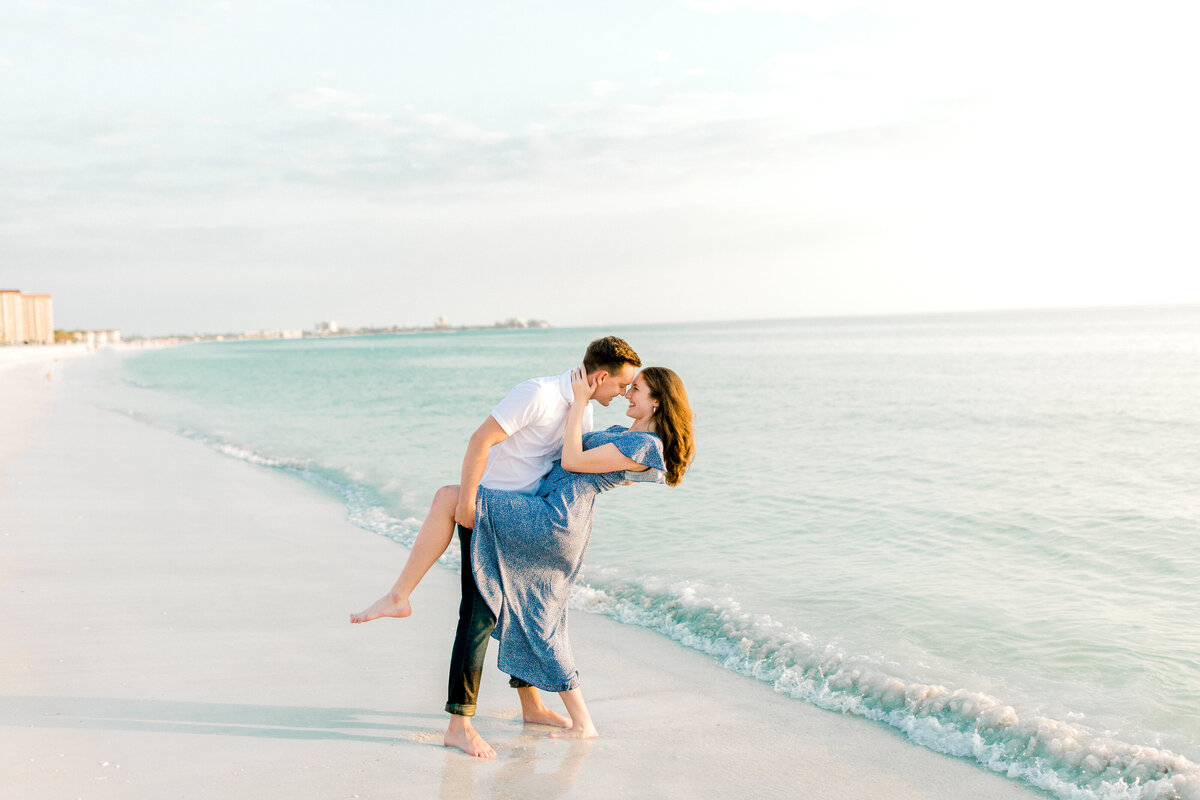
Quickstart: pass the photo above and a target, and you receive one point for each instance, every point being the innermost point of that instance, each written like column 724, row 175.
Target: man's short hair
column 609, row 354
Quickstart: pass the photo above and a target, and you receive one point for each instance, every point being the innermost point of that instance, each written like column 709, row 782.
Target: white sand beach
column 174, row 624
column 41, row 354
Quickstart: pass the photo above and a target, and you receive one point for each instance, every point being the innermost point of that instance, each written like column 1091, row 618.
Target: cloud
column 81, row 131
column 321, row 97
column 602, row 88
column 460, row 130
column 378, row 123
column 4, row 62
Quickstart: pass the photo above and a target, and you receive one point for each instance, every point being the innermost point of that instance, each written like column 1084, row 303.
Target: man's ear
column 598, row 378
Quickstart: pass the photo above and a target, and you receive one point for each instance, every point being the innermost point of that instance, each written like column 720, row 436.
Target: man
column 513, row 449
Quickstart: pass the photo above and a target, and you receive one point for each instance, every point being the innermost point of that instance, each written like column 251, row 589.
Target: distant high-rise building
column 12, row 326
column 39, row 318
column 25, row 318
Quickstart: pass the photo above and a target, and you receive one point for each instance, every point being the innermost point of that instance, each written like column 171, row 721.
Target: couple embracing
column 524, row 508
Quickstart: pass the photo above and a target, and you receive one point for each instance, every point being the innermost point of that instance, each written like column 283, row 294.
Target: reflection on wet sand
column 531, row 766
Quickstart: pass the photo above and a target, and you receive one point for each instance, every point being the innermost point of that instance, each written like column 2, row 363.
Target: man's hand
column 488, row 434
column 464, row 512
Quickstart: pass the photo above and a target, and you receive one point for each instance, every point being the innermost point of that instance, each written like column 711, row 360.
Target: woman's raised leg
column 432, row 540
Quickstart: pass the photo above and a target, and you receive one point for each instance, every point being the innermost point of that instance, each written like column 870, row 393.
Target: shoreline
column 46, row 355
column 177, row 621
column 12, row 356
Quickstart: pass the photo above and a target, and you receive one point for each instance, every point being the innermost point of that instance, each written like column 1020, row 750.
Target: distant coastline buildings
column 29, row 319
column 442, row 324
column 521, row 322
column 25, row 318
column 90, row 338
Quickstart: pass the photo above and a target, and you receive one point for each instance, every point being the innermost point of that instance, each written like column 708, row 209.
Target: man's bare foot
column 390, row 605
column 582, row 732
column 467, row 739
column 544, row 716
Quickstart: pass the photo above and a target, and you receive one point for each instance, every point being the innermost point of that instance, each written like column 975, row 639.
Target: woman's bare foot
column 390, row 605
column 544, row 716
column 464, row 736
column 533, row 709
column 581, row 732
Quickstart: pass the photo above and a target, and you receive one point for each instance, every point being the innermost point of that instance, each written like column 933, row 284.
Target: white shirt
column 534, row 415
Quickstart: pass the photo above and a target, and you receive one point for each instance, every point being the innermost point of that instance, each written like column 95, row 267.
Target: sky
column 177, row 167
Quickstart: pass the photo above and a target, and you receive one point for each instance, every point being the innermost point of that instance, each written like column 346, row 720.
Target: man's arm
column 474, row 462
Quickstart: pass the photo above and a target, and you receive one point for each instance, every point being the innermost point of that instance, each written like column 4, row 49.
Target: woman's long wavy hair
column 672, row 420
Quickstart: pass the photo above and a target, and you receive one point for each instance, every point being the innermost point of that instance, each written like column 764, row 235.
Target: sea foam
column 1067, row 759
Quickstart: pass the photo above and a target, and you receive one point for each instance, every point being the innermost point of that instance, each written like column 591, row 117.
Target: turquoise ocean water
column 980, row 530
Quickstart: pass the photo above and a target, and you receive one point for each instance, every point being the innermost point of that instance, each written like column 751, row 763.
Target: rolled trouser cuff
column 461, row 709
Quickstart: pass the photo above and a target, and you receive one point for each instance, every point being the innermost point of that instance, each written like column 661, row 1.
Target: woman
column 526, row 550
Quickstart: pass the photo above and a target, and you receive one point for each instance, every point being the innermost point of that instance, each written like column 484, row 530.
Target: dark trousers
column 475, row 625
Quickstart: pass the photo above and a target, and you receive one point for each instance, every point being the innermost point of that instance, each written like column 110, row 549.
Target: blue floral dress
column 527, row 550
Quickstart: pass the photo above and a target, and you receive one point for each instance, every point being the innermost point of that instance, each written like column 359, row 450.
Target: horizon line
column 730, row 320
